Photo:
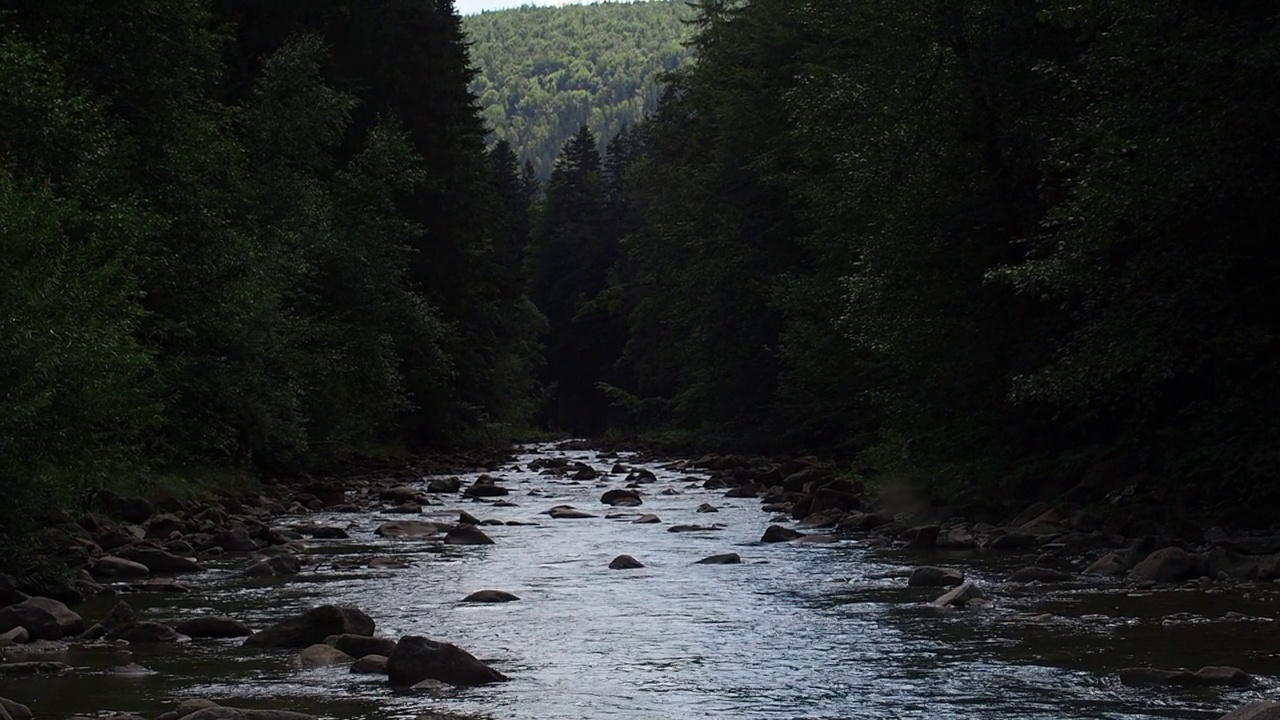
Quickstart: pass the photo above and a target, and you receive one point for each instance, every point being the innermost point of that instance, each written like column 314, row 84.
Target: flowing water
column 813, row 632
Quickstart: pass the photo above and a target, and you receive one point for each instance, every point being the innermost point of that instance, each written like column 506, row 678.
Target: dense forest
column 1000, row 249
column 245, row 234
column 1004, row 250
column 542, row 72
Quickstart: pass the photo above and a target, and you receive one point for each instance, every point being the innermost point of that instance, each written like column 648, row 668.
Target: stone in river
column 490, row 596
column 647, row 519
column 467, row 535
column 721, row 559
column 778, row 533
column 213, row 626
column 312, row 627
column 625, row 562
column 417, row 658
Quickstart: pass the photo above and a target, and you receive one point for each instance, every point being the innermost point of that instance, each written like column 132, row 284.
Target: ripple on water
column 813, row 632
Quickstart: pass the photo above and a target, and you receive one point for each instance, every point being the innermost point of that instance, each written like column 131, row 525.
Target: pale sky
column 471, row 7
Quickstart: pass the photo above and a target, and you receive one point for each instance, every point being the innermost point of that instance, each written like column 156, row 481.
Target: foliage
column 542, row 72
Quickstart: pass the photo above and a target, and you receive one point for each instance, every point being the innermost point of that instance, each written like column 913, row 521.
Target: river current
column 817, row 632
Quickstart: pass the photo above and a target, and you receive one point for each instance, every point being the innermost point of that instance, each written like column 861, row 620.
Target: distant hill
column 544, row 71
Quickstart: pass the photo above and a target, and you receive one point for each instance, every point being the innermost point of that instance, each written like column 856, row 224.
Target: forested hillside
column 1005, row 250
column 545, row 71
column 244, row 235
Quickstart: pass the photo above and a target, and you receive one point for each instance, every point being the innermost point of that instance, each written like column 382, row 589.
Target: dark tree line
column 261, row 235
column 1006, row 248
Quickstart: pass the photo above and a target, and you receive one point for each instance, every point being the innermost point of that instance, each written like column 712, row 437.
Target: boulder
column 312, row 627
column 930, row 576
column 721, row 559
column 44, row 618
column 275, row 566
column 1166, row 565
column 1224, row 675
column 832, row 501
column 484, row 486
column 1036, row 573
column 17, row 711
column 692, row 528
column 401, row 494
column 778, row 533
column 647, row 519
column 17, row 635
column 370, row 665
column 160, row 561
column 110, row 566
column 416, row 659
column 467, row 535
column 213, row 626
column 490, row 596
column 960, row 596
column 956, row 537
column 708, row 508
column 145, row 632
column 565, row 512
column 318, row 656
column 361, row 645
column 33, row 667
column 1011, row 540
column 1109, row 565
column 1259, row 710
column 228, row 713
column 444, row 485
column 406, row 528
column 625, row 562
column 235, row 540
column 621, row 497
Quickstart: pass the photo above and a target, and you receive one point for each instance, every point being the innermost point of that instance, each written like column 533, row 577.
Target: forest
column 542, row 72
column 1000, row 250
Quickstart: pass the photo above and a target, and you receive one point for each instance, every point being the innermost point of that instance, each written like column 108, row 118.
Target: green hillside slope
column 545, row 71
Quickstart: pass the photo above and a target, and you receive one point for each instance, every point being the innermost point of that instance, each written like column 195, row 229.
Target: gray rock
column 1166, row 565
column 16, row 710
column 145, row 632
column 312, row 627
column 625, row 562
column 44, row 618
column 370, row 665
column 1109, row 565
column 721, row 559
column 1138, row 676
column 160, row 561
column 647, row 519
column 467, row 535
column 406, row 528
column 360, row 645
column 490, row 596
column 1036, row 573
column 1260, row 710
column 621, row 497
column 110, row 566
column 18, row 635
column 778, row 533
column 961, row 595
column 568, row 513
column 930, row 576
column 275, row 566
column 318, row 656
column 416, row 659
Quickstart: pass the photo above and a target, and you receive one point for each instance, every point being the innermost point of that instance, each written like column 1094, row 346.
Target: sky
column 471, row 7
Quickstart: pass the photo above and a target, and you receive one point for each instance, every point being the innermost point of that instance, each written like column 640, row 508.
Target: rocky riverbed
column 564, row 582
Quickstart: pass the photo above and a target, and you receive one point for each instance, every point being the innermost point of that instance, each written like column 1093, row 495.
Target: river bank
column 830, row 624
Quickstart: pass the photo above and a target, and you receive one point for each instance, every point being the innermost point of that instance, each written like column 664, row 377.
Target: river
column 796, row 631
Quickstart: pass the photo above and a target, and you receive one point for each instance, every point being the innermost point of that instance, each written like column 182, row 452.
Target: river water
column 813, row 632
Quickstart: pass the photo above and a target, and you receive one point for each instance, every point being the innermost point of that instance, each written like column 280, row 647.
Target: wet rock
column 961, row 595
column 956, row 537
column 1170, row 564
column 1139, row 676
column 160, row 561
column 931, row 576
column 864, row 522
column 406, row 529
column 923, row 536
column 416, row 659
column 490, row 596
column 312, row 627
column 747, row 490
column 625, row 562
column 389, row 563
column 401, row 494
column 361, row 645
column 818, row 539
column 708, row 508
column 1032, row 512
column 132, row 670
column 145, row 632
column 33, row 667
column 17, row 635
column 693, row 528
column 721, row 559
column 213, row 626
column 44, row 618
column 832, row 501
column 564, row 512
column 370, row 665
column 1224, row 675
column 444, row 485
column 647, row 519
column 227, row 713
column 778, row 533
column 235, row 540
column 485, row 486
column 433, row 687
column 819, row 520
column 1109, row 565
column 324, row 532
column 1260, row 710
column 466, row 518
column 16, row 711
column 1036, row 573
column 110, row 566
column 621, row 497
column 1011, row 540
column 318, row 656
column 278, row 565
column 467, row 535
column 641, row 476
